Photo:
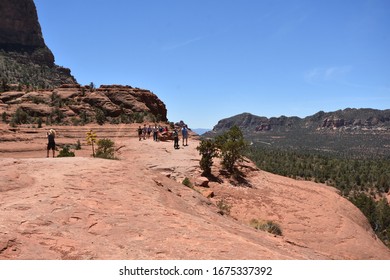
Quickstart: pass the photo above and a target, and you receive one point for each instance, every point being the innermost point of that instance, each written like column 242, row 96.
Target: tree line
column 364, row 181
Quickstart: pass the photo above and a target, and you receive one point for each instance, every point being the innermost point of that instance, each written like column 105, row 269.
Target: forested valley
column 363, row 180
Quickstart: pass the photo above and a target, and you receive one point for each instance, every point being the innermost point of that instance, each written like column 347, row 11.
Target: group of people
column 143, row 133
column 157, row 130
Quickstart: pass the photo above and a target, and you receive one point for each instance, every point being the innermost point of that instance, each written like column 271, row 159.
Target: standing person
column 149, row 131
column 139, row 133
column 175, row 139
column 51, row 143
column 155, row 133
column 184, row 133
column 144, row 131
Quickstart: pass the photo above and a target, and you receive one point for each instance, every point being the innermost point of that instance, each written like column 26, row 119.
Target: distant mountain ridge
column 353, row 131
column 341, row 119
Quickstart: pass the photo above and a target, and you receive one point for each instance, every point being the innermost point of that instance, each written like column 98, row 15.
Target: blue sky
column 212, row 59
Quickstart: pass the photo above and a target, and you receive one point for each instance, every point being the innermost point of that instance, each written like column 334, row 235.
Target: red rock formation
column 74, row 100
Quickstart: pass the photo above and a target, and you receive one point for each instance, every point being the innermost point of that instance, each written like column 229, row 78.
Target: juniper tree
column 208, row 150
column 232, row 147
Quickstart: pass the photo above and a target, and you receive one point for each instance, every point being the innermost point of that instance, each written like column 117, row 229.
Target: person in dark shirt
column 176, row 139
column 140, row 133
column 51, row 145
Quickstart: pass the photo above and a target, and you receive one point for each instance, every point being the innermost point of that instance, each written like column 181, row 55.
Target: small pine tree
column 39, row 121
column 20, row 117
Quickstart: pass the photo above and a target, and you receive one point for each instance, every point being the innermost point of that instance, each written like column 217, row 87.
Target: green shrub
column 65, row 152
column 138, row 117
column 124, row 118
column 100, row 116
column 105, row 149
column 187, row 182
column 208, row 150
column 232, row 147
column 267, row 226
column 39, row 122
column 20, row 117
column 4, row 117
column 4, row 85
column 84, row 119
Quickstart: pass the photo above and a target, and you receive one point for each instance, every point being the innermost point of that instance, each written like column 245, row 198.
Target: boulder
column 202, row 182
column 208, row 193
column 37, row 97
column 135, row 99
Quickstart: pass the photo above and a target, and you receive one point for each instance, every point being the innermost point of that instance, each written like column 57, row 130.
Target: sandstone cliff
column 24, row 57
column 19, row 27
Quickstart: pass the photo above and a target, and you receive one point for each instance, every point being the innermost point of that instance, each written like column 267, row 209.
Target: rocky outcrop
column 19, row 27
column 252, row 123
column 24, row 57
column 72, row 103
column 245, row 121
column 333, row 122
column 131, row 100
column 20, row 31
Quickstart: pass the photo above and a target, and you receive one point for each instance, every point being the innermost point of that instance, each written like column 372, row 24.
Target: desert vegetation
column 229, row 146
column 268, row 226
column 105, row 149
column 66, row 152
column 362, row 180
column 57, row 117
column 19, row 68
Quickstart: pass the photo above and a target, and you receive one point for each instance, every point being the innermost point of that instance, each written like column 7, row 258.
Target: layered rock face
column 24, row 57
column 19, row 27
column 75, row 104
